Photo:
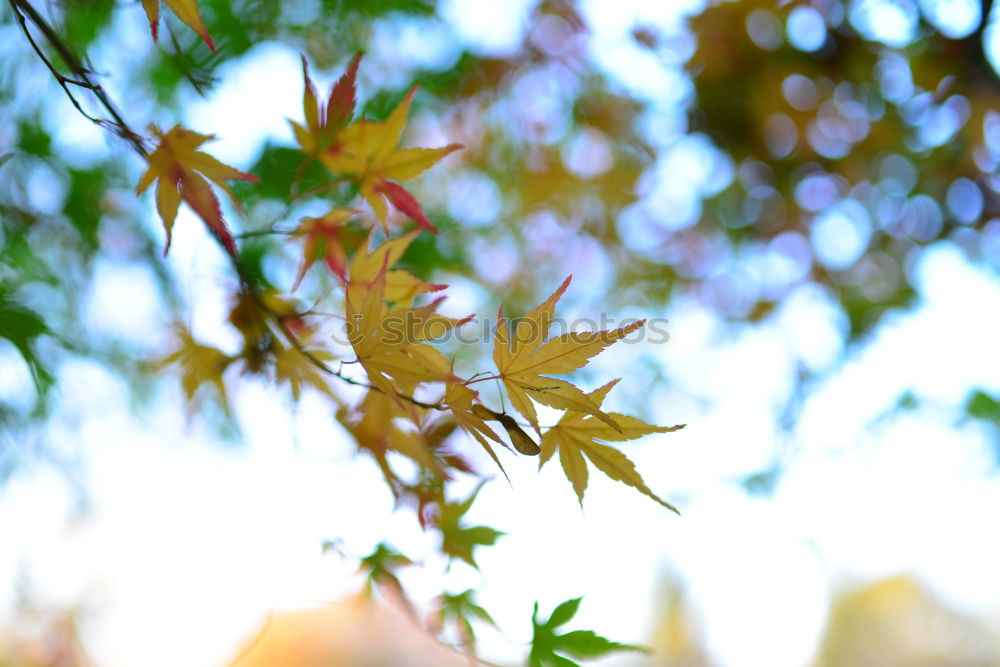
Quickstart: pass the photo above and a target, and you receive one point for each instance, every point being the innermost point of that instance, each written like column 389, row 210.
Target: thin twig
column 82, row 77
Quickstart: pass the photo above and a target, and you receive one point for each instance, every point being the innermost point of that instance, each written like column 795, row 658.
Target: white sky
column 188, row 545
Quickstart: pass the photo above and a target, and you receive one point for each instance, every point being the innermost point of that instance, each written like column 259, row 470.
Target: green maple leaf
column 458, row 541
column 546, row 645
column 380, row 568
column 460, row 610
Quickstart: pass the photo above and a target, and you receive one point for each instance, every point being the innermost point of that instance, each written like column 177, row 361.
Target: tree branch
column 82, row 77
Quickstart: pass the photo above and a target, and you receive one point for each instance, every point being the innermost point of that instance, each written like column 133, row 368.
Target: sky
column 205, row 541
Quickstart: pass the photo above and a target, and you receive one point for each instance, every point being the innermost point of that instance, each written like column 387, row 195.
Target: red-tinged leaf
column 343, row 96
column 181, row 172
column 367, row 151
column 405, row 203
column 199, row 196
column 152, row 8
column 324, row 121
column 186, row 11
column 309, row 102
column 324, row 238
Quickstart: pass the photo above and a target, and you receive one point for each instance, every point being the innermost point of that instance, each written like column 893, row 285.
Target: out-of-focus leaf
column 22, row 327
column 981, row 405
column 458, row 540
column 84, row 20
column 549, row 649
column 460, row 610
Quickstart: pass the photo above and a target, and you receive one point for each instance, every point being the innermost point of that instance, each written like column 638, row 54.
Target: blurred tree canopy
column 730, row 154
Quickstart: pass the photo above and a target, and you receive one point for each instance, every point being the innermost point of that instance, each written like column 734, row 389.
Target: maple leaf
column 181, row 172
column 377, row 433
column 460, row 609
column 522, row 355
column 324, row 238
column 200, row 365
column 323, row 122
column 401, row 286
column 459, row 541
column 292, row 365
column 367, row 150
column 186, row 10
column 379, row 568
column 388, row 342
column 546, row 645
column 576, row 435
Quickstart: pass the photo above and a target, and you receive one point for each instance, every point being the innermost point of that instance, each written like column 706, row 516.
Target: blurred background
column 806, row 191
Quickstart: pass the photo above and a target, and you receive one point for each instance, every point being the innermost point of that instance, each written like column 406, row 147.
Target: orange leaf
column 324, row 238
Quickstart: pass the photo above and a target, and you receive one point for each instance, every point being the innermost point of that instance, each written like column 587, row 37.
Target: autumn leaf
column 181, row 172
column 377, row 432
column 368, row 151
column 576, row 436
column 324, row 239
column 296, row 365
column 388, row 343
column 549, row 649
column 525, row 360
column 199, row 364
column 186, row 11
column 459, row 540
column 401, row 286
column 323, row 122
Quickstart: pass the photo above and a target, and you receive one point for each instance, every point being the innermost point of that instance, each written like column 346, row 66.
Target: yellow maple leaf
column 367, row 150
column 577, row 434
column 526, row 360
column 377, row 432
column 199, row 364
column 291, row 365
column 181, row 172
column 388, row 342
column 186, row 10
column 401, row 286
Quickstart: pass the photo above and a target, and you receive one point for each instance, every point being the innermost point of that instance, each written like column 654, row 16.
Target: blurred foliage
column 792, row 144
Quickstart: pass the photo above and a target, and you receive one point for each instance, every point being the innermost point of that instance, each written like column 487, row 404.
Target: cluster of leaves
column 388, row 330
column 414, row 402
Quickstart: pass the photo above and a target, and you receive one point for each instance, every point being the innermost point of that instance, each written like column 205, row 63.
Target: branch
column 81, row 76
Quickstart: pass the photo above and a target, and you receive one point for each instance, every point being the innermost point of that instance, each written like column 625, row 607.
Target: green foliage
column 22, row 328
column 458, row 540
column 549, row 649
